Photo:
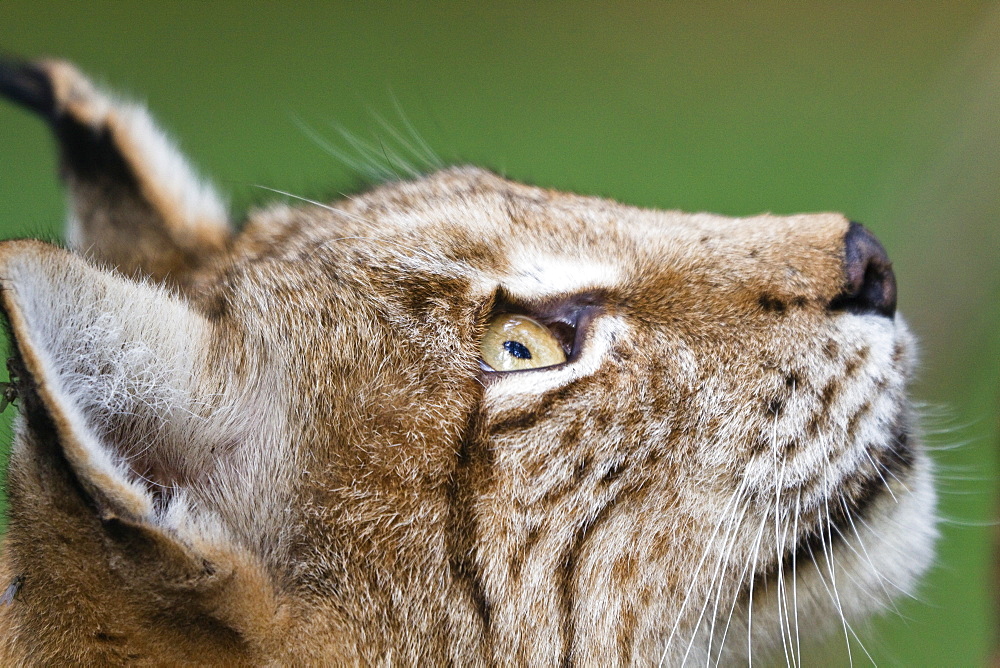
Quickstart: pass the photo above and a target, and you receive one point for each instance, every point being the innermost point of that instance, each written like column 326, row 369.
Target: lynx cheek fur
column 285, row 446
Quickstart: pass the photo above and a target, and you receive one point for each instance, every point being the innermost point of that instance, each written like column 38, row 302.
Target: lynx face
column 297, row 443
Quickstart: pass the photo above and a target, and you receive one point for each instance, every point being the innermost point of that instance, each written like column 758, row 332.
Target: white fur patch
column 187, row 202
column 541, row 276
column 196, row 200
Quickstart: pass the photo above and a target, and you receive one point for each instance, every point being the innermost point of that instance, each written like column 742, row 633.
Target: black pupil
column 517, row 349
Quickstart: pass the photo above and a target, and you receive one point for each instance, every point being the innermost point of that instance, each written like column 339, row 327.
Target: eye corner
column 564, row 332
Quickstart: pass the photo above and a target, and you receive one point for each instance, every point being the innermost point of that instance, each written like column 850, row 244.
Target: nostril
column 869, row 284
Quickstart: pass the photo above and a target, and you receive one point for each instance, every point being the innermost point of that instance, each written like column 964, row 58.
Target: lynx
column 453, row 420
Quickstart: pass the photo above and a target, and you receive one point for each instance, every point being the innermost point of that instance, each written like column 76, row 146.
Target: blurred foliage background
column 889, row 112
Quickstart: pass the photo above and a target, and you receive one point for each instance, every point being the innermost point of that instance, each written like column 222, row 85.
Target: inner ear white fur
column 106, row 355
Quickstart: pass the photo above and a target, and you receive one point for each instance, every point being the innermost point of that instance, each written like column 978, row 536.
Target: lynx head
column 452, row 419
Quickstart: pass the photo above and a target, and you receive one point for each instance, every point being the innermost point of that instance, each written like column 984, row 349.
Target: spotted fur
column 278, row 446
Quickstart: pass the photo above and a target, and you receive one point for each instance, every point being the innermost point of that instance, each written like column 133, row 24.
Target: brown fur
column 333, row 478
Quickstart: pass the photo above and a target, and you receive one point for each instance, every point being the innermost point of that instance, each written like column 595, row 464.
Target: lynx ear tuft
column 110, row 363
column 136, row 203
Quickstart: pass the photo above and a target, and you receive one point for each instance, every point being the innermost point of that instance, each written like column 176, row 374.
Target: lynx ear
column 113, row 526
column 109, row 363
column 136, row 204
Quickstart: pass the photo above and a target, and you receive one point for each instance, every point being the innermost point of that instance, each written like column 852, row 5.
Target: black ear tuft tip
column 27, row 84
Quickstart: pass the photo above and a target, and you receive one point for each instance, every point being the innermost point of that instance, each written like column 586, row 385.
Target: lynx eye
column 515, row 342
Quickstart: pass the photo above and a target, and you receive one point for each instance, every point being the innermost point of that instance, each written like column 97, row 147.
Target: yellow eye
column 515, row 342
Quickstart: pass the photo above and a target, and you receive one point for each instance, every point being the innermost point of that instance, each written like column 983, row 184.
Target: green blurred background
column 889, row 112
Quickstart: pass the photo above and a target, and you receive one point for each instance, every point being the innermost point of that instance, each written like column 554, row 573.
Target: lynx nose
column 869, row 284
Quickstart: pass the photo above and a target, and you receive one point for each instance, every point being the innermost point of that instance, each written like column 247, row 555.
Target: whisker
column 694, row 580
column 795, row 578
column 753, row 572
column 967, row 524
column 398, row 160
column 369, row 152
column 433, row 158
column 422, row 152
column 878, row 576
column 885, row 482
column 779, row 554
column 718, row 577
column 828, row 553
column 368, row 169
column 732, row 609
column 304, row 199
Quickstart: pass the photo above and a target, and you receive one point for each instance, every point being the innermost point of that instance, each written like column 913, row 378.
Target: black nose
column 869, row 284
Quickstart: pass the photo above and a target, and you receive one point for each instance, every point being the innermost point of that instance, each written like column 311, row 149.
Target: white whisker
column 795, row 578
column 368, row 169
column 718, row 577
column 828, row 552
column 753, row 573
column 422, row 151
column 694, row 579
